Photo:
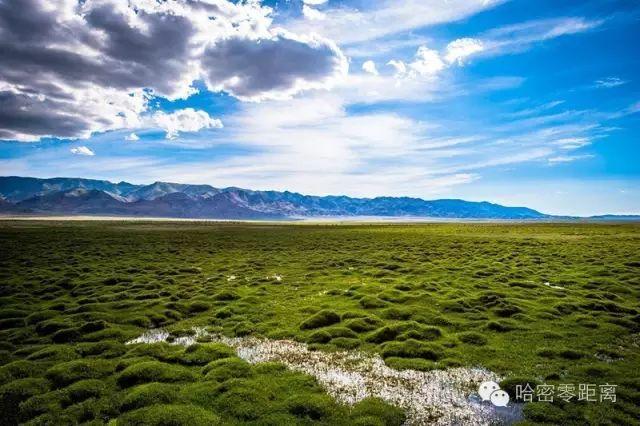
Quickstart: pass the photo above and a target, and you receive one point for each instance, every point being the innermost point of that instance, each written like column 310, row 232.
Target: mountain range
column 75, row 196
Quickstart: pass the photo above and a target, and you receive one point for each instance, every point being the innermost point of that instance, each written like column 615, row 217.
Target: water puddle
column 441, row 397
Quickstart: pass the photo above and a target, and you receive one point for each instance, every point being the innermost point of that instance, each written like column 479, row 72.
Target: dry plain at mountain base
column 550, row 304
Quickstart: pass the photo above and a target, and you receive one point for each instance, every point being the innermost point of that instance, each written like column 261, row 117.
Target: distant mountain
column 73, row 201
column 616, row 217
column 73, row 196
column 160, row 189
column 15, row 189
column 6, row 206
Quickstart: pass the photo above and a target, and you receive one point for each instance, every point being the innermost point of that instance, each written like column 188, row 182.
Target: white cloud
column 521, row 36
column 535, row 110
column 427, row 62
column 430, row 62
column 610, row 82
column 399, row 66
column 184, row 120
column 458, row 50
column 132, row 137
column 385, row 46
column 385, row 17
column 313, row 14
column 571, row 143
column 567, row 158
column 315, row 2
column 370, row 67
column 82, row 150
column 364, row 88
column 313, row 144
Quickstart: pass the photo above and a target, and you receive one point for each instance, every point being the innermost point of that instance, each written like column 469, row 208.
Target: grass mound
column 544, row 412
column 169, row 415
column 310, row 407
column 149, row 394
column 65, row 373
column 18, row 370
column 413, row 349
column 360, row 325
column 154, row 371
column 370, row 302
column 225, row 369
column 321, row 319
column 204, row 353
column 374, row 411
column 473, row 338
column 53, row 353
column 85, row 389
column 12, row 394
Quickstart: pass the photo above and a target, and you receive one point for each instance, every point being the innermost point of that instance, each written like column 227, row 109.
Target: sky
column 520, row 102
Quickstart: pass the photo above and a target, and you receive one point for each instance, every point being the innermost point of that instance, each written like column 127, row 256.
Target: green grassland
column 424, row 296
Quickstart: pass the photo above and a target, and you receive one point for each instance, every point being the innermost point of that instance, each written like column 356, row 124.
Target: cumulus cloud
column 512, row 38
column 82, row 150
column 370, row 67
column 69, row 68
column 426, row 63
column 458, row 50
column 274, row 68
column 132, row 137
column 184, row 120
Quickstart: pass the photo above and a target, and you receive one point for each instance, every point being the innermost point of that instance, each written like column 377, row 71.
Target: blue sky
column 520, row 102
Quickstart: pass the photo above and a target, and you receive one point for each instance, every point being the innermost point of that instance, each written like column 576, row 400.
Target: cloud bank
column 69, row 68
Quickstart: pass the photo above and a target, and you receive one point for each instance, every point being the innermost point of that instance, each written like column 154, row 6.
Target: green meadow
column 534, row 303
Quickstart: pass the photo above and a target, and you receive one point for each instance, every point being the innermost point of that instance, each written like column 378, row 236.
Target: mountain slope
column 160, row 189
column 15, row 189
column 164, row 199
column 176, row 204
column 74, row 201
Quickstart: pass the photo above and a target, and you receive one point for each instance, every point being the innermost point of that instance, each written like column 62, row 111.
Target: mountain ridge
column 78, row 196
